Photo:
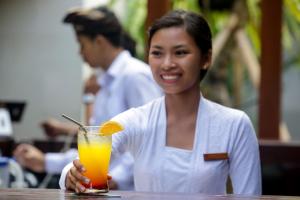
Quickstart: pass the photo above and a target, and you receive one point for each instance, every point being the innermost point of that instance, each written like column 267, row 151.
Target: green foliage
column 253, row 25
column 290, row 30
column 191, row 5
column 291, row 33
column 294, row 8
column 135, row 15
column 133, row 21
column 216, row 19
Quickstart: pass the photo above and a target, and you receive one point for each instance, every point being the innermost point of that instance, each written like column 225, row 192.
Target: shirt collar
column 115, row 69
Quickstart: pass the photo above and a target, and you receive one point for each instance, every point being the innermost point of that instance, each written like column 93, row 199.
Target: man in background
column 126, row 82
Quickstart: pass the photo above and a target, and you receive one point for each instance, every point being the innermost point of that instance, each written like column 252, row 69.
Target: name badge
column 215, row 156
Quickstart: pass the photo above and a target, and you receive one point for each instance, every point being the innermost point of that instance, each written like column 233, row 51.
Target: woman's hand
column 74, row 178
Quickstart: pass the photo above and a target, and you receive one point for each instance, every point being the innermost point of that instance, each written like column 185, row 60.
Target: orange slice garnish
column 110, row 127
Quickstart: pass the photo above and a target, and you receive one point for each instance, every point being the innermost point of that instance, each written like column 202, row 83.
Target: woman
column 183, row 142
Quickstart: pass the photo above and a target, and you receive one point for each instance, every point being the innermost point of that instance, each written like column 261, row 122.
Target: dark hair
column 95, row 21
column 195, row 25
column 128, row 43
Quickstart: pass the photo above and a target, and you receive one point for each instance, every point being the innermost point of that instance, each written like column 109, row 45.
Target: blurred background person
column 126, row 82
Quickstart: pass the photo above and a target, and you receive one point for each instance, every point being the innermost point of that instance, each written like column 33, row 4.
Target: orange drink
column 94, row 154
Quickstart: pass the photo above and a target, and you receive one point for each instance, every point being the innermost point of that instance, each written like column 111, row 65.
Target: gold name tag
column 215, row 156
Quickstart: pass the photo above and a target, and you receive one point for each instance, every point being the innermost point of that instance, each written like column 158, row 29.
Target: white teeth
column 170, row 77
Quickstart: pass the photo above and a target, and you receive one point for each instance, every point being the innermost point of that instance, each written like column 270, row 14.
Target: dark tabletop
column 54, row 194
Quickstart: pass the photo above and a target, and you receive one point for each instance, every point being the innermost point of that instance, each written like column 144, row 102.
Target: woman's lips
column 170, row 78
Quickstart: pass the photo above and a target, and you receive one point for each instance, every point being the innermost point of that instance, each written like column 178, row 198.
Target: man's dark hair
column 128, row 43
column 91, row 22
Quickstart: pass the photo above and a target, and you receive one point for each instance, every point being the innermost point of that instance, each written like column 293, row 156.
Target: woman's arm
column 245, row 170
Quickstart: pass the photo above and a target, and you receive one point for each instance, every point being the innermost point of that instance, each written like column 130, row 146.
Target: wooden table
column 55, row 194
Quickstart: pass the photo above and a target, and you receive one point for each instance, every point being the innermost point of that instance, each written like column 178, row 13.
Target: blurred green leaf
column 136, row 13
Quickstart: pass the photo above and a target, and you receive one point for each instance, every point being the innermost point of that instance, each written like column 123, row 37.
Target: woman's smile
column 170, row 78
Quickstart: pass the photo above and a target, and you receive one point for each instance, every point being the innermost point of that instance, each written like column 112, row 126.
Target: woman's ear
column 207, row 59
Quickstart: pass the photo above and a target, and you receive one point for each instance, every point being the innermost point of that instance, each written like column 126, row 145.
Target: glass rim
column 95, row 133
column 86, row 126
column 89, row 128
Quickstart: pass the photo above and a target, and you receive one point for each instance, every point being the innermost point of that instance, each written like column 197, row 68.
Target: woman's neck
column 184, row 104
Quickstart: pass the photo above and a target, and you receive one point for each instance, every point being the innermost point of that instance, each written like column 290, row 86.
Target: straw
column 79, row 124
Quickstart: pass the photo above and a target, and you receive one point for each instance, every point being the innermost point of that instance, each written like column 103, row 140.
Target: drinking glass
column 94, row 154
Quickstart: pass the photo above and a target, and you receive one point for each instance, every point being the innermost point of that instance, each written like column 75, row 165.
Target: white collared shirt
column 55, row 162
column 127, row 83
column 160, row 168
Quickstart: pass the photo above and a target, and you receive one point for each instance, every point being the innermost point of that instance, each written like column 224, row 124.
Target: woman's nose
column 168, row 63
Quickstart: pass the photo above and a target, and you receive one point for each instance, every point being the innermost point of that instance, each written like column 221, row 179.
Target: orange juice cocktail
column 94, row 154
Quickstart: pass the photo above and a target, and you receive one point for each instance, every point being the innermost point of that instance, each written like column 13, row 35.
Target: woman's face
column 175, row 60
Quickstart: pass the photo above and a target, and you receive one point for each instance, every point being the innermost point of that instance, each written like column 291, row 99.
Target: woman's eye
column 181, row 53
column 155, row 53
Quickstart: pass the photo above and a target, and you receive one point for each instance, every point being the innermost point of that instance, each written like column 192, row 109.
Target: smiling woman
column 176, row 61
column 183, row 142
